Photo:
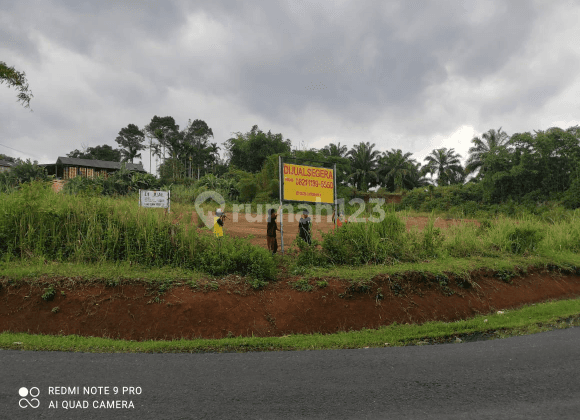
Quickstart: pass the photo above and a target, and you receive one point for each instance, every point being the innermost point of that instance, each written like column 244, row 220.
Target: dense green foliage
column 362, row 243
column 249, row 151
column 22, row 172
column 121, row 182
column 189, row 150
column 131, row 140
column 104, row 152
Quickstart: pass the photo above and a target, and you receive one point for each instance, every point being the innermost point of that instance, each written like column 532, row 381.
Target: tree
column 417, row 176
column 104, row 152
column 198, row 150
column 166, row 132
column 22, row 171
column 396, row 170
column 7, row 158
column 13, row 77
column 130, row 138
column 363, row 161
column 492, row 141
column 446, row 165
column 249, row 151
column 334, row 150
column 171, row 169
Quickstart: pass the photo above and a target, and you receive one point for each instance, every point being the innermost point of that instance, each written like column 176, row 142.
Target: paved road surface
column 528, row 377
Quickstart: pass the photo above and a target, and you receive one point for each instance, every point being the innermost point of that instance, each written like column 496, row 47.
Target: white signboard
column 155, row 199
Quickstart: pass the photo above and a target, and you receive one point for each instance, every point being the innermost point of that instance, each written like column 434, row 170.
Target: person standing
column 339, row 219
column 305, row 227
column 218, row 223
column 271, row 229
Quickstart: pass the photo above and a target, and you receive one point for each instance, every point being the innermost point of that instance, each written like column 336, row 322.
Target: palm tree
column 395, row 169
column 417, row 177
column 334, row 150
column 490, row 143
column 445, row 163
column 363, row 165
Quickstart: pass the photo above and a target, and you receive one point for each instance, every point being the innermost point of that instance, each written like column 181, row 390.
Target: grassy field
column 103, row 238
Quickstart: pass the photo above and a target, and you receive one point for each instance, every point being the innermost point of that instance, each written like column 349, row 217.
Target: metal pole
column 281, row 209
column 139, row 198
column 335, row 205
column 169, row 201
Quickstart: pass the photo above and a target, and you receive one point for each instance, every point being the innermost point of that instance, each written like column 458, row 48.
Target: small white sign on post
column 155, row 199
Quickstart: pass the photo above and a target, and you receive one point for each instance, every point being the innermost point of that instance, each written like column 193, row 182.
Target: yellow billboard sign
column 307, row 183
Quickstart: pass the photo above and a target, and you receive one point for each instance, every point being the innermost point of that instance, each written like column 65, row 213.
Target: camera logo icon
column 32, row 392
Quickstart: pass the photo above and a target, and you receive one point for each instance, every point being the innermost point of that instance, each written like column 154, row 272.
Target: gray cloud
column 395, row 73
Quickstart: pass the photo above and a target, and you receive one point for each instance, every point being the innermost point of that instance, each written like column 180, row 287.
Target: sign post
column 335, row 203
column 155, row 199
column 300, row 183
column 281, row 209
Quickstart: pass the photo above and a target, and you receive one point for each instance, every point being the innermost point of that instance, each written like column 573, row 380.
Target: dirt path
column 132, row 312
column 253, row 226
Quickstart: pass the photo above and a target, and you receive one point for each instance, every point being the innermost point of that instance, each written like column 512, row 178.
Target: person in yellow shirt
column 218, row 223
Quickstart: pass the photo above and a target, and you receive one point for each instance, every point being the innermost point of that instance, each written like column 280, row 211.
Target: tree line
column 543, row 163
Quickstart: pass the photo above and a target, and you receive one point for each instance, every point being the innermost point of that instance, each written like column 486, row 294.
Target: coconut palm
column 395, row 169
column 363, row 161
column 334, row 150
column 489, row 143
column 446, row 165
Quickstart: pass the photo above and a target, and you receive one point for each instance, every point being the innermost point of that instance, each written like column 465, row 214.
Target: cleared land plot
column 253, row 226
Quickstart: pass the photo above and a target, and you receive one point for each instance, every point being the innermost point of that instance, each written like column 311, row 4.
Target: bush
column 571, row 198
column 122, row 182
column 521, row 239
column 361, row 243
column 310, row 255
column 22, row 172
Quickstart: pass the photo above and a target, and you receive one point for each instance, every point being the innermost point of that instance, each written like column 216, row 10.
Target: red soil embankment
column 130, row 311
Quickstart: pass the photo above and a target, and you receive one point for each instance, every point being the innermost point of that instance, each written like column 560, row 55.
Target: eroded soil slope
column 132, row 310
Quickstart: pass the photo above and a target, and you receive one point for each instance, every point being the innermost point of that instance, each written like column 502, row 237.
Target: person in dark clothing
column 271, row 231
column 304, row 227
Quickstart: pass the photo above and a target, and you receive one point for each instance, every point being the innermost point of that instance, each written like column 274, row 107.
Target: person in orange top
column 340, row 219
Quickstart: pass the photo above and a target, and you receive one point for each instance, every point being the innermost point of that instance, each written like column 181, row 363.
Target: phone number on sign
column 313, row 183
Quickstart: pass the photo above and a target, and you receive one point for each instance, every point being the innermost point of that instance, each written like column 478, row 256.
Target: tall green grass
column 34, row 221
column 388, row 242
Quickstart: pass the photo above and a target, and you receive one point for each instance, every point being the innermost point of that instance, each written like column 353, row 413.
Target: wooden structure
column 67, row 168
column 5, row 166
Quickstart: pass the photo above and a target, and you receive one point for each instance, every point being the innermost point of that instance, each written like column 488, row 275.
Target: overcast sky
column 410, row 75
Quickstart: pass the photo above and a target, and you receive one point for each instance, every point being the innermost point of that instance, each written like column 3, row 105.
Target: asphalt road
column 536, row 376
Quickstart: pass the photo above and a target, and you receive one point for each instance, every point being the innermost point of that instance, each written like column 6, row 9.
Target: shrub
column 49, row 294
column 309, row 255
column 571, row 198
column 521, row 239
column 361, row 243
column 301, row 285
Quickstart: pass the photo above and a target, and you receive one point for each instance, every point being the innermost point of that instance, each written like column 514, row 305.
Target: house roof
column 103, row 164
column 6, row 163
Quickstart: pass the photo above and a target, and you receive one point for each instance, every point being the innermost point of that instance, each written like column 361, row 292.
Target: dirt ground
column 253, row 226
column 131, row 311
